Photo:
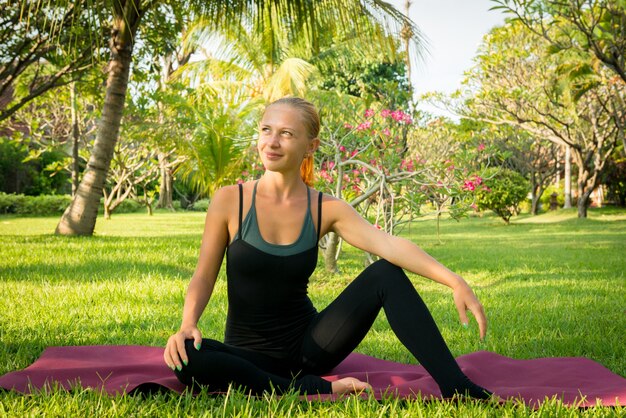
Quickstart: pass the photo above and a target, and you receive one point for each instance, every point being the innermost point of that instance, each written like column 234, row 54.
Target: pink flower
column 397, row 115
column 481, row 147
column 386, row 132
column 354, row 152
column 468, row 185
column 407, row 165
column 331, row 165
column 356, row 173
column 342, row 148
column 478, row 181
column 347, row 125
column 385, row 113
column 369, row 113
column 407, row 119
column 365, row 125
column 473, row 206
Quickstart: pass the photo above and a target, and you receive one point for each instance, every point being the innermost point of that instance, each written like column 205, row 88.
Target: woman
column 275, row 339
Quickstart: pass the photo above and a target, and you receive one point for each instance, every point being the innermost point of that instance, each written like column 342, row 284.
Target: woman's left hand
column 465, row 300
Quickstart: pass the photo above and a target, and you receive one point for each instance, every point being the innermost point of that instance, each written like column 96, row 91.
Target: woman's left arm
column 356, row 231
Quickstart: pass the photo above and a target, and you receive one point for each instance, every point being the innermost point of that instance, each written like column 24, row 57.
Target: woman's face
column 283, row 138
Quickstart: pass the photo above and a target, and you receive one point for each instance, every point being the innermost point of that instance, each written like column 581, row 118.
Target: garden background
column 119, row 121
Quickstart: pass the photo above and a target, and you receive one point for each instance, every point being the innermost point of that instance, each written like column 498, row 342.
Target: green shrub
column 502, row 192
column 129, row 206
column 525, row 206
column 560, row 195
column 44, row 205
column 10, row 202
column 200, row 205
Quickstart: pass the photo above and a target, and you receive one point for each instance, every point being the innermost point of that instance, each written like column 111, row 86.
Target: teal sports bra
column 250, row 233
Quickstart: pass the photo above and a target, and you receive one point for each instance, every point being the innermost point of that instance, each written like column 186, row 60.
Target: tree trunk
column 330, row 253
column 568, row 178
column 534, row 206
column 583, row 199
column 75, row 138
column 165, row 184
column 534, row 196
column 584, row 191
column 80, row 216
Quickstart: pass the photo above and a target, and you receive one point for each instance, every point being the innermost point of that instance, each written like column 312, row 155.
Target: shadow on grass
column 93, row 270
column 54, row 258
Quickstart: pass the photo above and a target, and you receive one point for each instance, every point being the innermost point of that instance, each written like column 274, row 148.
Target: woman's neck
column 280, row 186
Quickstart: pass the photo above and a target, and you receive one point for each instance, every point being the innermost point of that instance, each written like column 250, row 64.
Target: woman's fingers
column 479, row 314
column 175, row 354
column 170, row 353
column 197, row 338
column 181, row 353
column 464, row 300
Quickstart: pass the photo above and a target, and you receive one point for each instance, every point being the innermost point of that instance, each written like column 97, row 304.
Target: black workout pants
column 333, row 334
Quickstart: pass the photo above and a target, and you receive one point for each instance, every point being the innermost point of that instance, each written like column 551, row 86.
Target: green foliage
column 200, row 205
column 503, row 192
column 26, row 169
column 128, row 206
column 560, row 195
column 43, row 205
column 371, row 81
column 615, row 179
column 12, row 171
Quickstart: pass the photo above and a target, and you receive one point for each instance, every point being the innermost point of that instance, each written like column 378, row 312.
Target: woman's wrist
column 457, row 282
column 188, row 324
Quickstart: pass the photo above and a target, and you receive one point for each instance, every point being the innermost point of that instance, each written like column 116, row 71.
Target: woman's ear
column 314, row 145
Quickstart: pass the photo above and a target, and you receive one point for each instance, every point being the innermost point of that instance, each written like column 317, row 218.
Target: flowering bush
column 356, row 156
column 503, row 191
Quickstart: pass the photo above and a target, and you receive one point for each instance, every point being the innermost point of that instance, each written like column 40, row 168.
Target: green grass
column 552, row 285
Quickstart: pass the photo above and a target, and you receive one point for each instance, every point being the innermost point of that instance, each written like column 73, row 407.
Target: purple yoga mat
column 121, row 369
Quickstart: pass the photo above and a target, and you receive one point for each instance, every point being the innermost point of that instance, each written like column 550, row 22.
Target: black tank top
column 268, row 305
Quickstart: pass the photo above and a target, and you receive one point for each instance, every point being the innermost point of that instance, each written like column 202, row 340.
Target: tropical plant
column 302, row 18
column 45, row 45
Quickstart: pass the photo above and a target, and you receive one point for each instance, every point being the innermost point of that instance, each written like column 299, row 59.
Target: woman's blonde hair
column 312, row 123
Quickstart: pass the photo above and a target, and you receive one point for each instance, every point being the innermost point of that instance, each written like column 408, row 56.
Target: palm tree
column 277, row 63
column 301, row 18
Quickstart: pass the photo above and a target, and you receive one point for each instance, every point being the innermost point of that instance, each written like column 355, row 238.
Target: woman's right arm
column 214, row 242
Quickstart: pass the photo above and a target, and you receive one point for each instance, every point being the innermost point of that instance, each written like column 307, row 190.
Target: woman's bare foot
column 349, row 385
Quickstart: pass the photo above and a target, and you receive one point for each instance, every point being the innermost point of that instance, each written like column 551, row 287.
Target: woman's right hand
column 175, row 354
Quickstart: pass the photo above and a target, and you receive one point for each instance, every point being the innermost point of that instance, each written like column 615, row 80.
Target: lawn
column 552, row 285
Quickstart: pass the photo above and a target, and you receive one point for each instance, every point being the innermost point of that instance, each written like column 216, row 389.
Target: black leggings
column 332, row 335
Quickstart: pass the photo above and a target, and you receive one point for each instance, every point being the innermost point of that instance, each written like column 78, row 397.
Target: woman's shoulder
column 232, row 190
column 331, row 203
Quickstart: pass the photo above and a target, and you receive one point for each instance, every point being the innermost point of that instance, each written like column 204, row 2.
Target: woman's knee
column 386, row 272
column 196, row 359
